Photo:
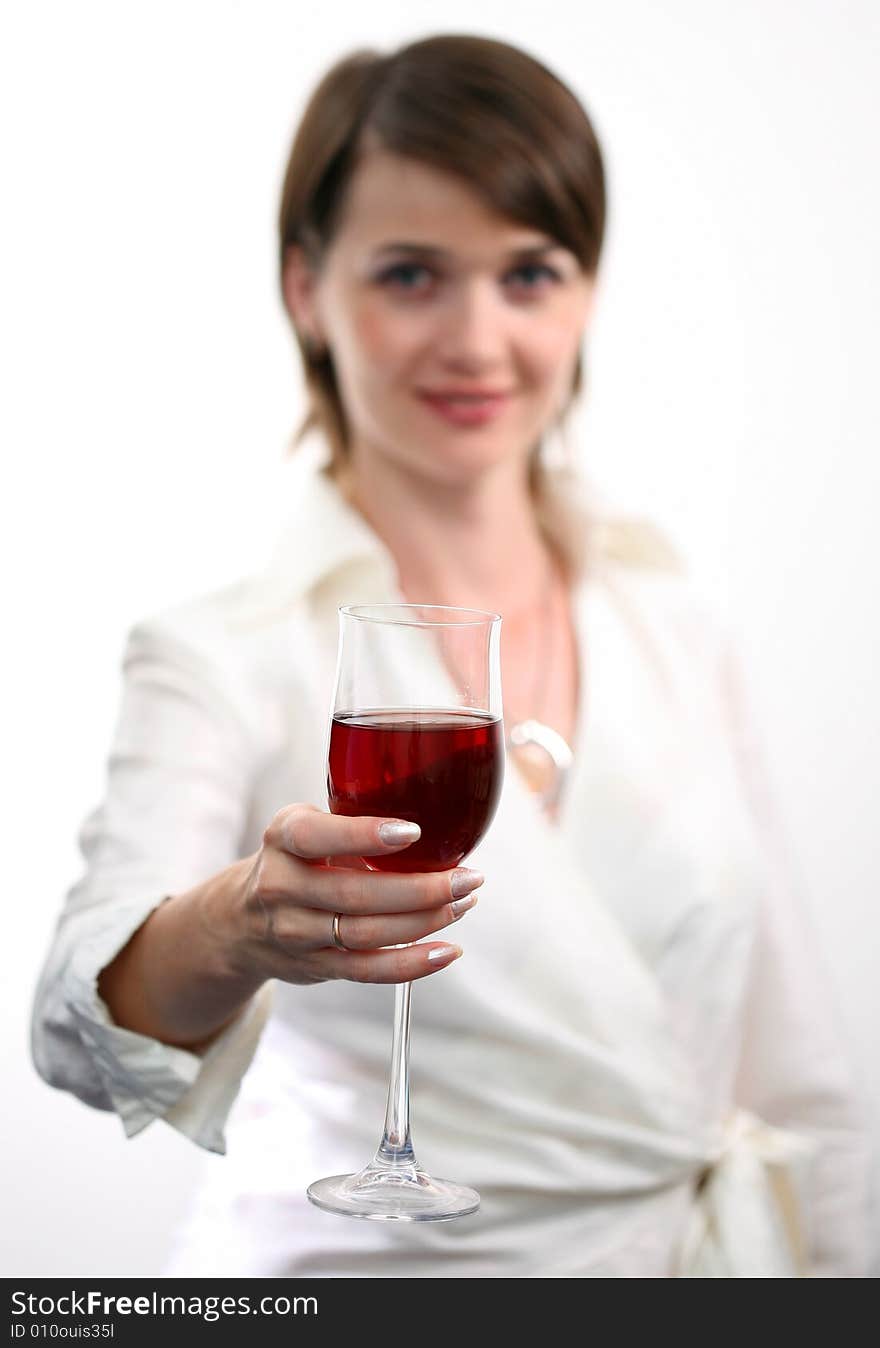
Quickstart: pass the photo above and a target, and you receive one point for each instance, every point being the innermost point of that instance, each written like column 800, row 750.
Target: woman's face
column 460, row 309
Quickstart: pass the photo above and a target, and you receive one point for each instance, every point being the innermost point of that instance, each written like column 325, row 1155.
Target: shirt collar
column 321, row 534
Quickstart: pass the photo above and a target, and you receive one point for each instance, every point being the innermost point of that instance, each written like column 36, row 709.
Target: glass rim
column 380, row 613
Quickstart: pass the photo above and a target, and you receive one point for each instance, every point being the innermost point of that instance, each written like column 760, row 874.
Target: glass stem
column 396, row 1150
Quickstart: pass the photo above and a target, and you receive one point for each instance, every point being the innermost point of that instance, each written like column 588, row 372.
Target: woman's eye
column 401, row 272
column 539, row 268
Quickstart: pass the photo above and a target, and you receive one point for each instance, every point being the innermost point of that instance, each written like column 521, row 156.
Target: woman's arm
column 179, row 777
column 174, row 980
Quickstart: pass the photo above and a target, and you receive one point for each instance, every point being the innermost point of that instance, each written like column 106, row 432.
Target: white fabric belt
column 746, row 1220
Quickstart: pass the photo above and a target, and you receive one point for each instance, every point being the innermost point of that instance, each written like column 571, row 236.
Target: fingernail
column 464, row 880
column 444, row 953
column 461, row 906
column 392, row 834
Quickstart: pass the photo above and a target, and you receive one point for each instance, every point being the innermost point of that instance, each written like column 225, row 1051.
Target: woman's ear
column 298, row 284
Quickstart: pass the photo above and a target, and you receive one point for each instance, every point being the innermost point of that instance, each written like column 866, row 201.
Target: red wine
column 441, row 769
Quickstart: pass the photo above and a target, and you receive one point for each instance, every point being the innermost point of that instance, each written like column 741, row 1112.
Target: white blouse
column 638, row 1061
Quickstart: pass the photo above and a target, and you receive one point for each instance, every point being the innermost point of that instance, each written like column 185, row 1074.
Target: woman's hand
column 309, row 868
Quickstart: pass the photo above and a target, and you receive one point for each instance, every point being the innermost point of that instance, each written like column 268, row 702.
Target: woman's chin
column 455, row 470
column 458, row 457
column 449, row 459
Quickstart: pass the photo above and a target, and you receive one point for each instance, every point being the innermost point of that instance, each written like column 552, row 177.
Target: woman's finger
column 386, row 966
column 313, row 834
column 287, row 884
column 312, row 928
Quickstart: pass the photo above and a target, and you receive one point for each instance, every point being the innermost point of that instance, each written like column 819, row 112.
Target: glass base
column 405, row 1194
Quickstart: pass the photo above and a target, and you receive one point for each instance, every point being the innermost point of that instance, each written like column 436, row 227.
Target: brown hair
column 496, row 118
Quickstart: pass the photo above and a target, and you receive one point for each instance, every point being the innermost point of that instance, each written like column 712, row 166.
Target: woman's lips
column 466, row 411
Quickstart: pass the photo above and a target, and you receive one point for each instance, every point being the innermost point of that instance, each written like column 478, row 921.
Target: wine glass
column 415, row 733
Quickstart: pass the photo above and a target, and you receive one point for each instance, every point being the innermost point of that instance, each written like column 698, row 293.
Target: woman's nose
column 473, row 328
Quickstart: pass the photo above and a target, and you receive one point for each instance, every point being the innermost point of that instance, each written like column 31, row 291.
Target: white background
column 150, row 387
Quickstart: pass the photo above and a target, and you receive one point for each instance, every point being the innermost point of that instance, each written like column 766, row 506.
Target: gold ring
column 335, row 935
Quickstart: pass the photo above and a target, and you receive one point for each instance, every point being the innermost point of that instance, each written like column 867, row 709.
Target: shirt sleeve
column 795, row 1069
column 173, row 814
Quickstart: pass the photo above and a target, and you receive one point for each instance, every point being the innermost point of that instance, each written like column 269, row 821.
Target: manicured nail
column 444, row 954
column 464, row 880
column 461, row 906
column 399, row 831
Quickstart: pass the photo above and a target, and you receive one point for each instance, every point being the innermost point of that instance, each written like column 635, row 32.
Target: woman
column 640, row 999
